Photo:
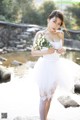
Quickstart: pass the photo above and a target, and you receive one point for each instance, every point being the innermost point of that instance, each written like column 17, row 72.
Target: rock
column 78, row 59
column 21, row 46
column 67, row 101
column 1, row 50
column 77, row 88
column 23, row 36
column 9, row 50
column 29, row 48
column 1, row 45
column 26, row 33
column 3, row 59
column 33, row 29
column 30, row 64
column 22, row 41
column 16, row 63
column 5, row 75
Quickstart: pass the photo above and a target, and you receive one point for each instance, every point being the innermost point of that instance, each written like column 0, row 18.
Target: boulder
column 3, row 59
column 16, row 63
column 67, row 101
column 5, row 75
column 77, row 88
column 33, row 29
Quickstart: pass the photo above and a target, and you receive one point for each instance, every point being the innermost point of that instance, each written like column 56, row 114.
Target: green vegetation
column 67, row 1
column 73, row 15
column 26, row 11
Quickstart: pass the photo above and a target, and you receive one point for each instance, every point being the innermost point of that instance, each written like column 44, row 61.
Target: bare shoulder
column 39, row 32
column 61, row 34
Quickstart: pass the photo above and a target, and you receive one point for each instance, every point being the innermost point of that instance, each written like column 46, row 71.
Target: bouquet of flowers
column 41, row 43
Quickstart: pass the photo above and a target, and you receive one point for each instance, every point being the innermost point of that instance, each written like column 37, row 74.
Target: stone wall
column 19, row 37
column 15, row 37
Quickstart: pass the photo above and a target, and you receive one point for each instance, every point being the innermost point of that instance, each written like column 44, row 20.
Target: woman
column 48, row 67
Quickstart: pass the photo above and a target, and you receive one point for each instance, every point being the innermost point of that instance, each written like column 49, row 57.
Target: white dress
column 51, row 70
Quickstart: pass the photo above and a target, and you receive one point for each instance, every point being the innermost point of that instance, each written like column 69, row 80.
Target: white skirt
column 50, row 71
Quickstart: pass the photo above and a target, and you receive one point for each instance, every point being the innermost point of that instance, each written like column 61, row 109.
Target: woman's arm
column 43, row 52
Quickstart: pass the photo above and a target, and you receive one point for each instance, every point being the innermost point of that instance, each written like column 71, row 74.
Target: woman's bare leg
column 44, row 108
column 47, row 107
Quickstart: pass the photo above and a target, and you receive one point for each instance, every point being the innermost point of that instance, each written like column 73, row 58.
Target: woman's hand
column 50, row 50
column 61, row 51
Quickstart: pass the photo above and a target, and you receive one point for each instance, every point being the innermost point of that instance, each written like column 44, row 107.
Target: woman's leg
column 44, row 108
column 47, row 107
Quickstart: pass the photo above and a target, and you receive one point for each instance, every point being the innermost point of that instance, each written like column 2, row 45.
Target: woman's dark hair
column 57, row 13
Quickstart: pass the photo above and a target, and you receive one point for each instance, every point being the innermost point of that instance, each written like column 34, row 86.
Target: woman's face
column 54, row 24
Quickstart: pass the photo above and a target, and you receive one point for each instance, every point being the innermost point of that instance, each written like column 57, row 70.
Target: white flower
column 41, row 42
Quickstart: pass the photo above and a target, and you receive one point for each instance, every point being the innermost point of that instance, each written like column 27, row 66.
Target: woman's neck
column 52, row 35
column 51, row 32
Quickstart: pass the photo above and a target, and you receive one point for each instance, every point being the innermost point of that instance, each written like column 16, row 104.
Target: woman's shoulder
column 40, row 32
column 60, row 33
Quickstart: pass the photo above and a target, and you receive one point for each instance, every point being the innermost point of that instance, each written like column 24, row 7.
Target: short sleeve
column 36, row 38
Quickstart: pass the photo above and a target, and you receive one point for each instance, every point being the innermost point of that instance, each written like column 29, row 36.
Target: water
column 26, row 56
column 73, row 55
column 20, row 97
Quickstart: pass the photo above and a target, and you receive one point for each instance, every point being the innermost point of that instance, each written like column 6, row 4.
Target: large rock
column 67, row 101
column 16, row 63
column 5, row 75
column 3, row 59
column 77, row 88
